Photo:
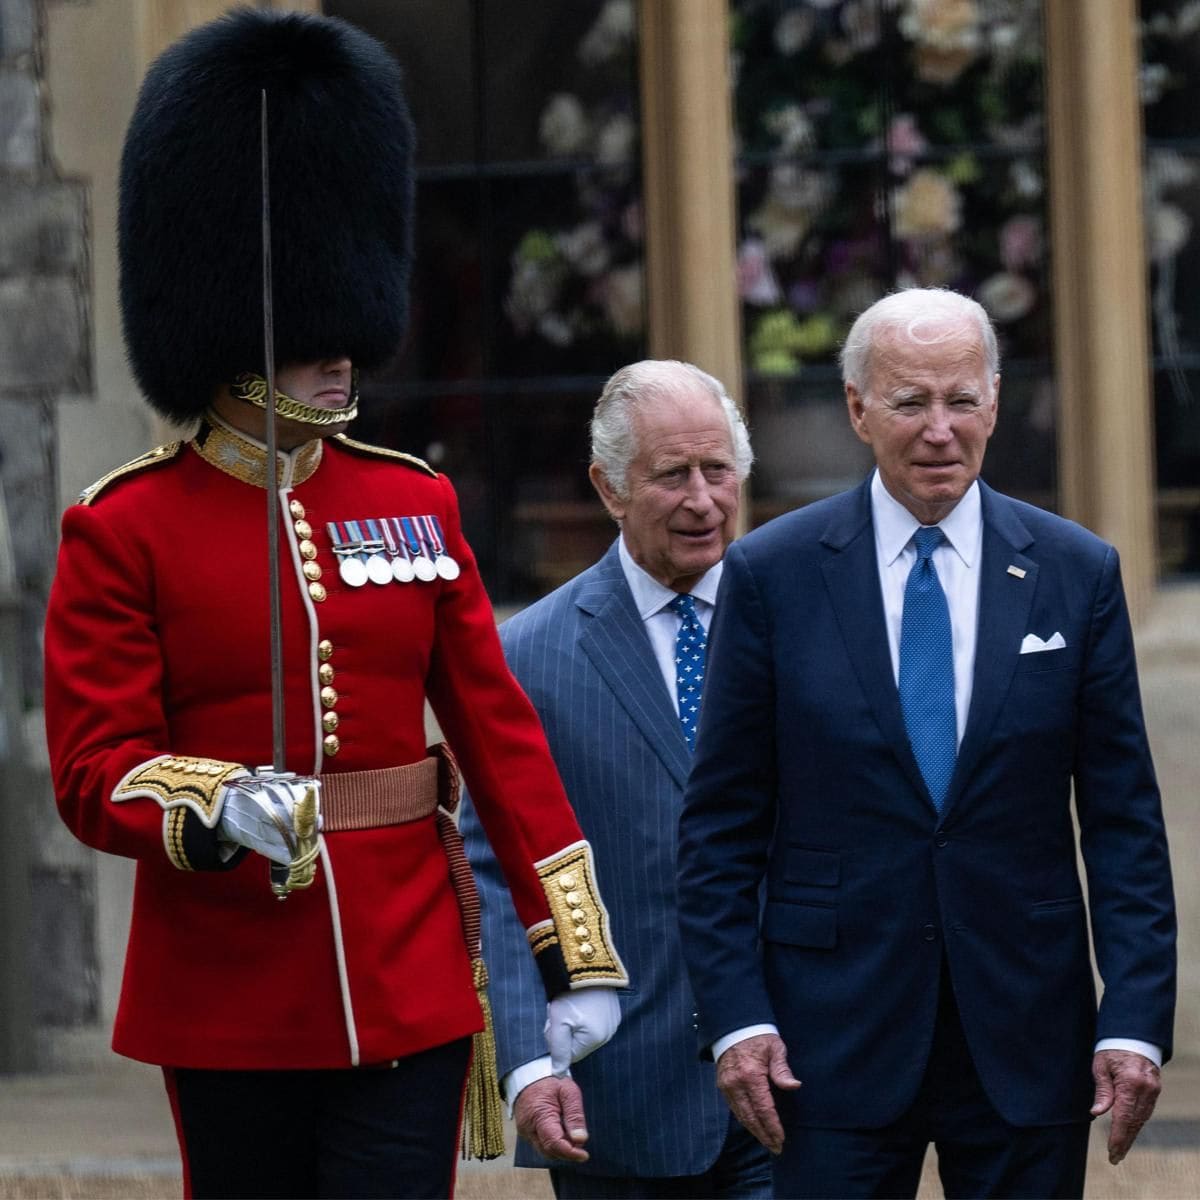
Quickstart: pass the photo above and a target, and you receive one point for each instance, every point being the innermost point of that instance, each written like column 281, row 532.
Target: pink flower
column 755, row 278
column 1021, row 242
column 904, row 142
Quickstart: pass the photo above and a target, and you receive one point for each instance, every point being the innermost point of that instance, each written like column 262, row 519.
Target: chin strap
column 252, row 389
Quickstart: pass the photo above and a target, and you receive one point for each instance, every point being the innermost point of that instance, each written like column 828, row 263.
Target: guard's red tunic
column 157, row 644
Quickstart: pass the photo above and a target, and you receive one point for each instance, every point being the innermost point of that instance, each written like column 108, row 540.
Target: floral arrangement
column 885, row 143
column 578, row 285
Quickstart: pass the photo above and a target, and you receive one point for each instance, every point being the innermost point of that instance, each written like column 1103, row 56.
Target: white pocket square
column 1032, row 644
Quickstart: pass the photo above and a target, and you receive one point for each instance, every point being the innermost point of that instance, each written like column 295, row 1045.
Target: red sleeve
column 118, row 787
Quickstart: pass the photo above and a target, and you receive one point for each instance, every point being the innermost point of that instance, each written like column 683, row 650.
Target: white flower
column 532, row 292
column 798, row 188
column 793, row 30
column 1152, row 78
column 612, row 32
column 781, row 228
column 1187, row 19
column 791, row 128
column 1026, row 182
column 1169, row 169
column 943, row 24
column 556, row 329
column 623, row 299
column 585, row 248
column 563, row 128
column 927, row 206
column 615, row 141
column 947, row 36
column 1169, row 231
column 1006, row 296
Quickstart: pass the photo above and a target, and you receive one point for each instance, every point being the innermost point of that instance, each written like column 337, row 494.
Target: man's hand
column 1128, row 1083
column 745, row 1074
column 549, row 1116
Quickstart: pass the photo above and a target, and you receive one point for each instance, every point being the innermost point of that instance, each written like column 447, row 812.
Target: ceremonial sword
column 304, row 824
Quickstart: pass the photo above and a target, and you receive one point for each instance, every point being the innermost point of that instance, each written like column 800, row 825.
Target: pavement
column 107, row 1133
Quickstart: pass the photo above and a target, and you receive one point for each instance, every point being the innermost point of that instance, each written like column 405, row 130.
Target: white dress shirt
column 651, row 599
column 957, row 561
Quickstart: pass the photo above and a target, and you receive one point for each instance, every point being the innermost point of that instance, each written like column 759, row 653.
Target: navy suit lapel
column 614, row 639
column 852, row 580
column 1005, row 600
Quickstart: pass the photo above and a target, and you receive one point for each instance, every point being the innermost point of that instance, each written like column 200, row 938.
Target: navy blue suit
column 584, row 659
column 804, row 778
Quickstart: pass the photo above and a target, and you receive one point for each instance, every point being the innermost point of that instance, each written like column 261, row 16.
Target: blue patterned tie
column 691, row 646
column 927, row 669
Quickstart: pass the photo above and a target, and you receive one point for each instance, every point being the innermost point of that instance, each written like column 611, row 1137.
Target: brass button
column 573, row 899
column 325, row 673
column 317, row 591
column 311, row 570
column 577, row 915
column 329, row 697
column 332, row 744
column 303, row 530
column 308, row 550
column 582, row 933
column 324, row 649
column 296, row 509
column 587, row 951
column 567, row 882
column 330, row 721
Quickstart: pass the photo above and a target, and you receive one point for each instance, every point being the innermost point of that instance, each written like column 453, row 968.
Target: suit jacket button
column 941, row 841
column 928, row 933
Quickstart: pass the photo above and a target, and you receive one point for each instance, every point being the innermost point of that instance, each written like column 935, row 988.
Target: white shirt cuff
column 739, row 1035
column 1145, row 1049
column 519, row 1078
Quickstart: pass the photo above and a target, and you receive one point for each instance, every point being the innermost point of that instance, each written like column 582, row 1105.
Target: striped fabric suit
column 583, row 657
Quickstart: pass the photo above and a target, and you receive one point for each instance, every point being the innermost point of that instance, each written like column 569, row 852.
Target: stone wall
column 45, row 355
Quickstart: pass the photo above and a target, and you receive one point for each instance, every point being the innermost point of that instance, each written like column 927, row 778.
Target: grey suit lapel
column 1004, row 604
column 615, row 641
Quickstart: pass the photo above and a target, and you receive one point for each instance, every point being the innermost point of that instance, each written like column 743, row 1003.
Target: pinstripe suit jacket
column 583, row 657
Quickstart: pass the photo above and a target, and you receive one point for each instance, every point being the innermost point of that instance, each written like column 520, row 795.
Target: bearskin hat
column 190, row 217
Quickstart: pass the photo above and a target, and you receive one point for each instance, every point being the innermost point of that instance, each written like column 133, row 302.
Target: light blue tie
column 927, row 669
column 691, row 649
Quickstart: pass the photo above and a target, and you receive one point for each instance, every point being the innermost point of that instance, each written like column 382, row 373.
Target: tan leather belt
column 389, row 796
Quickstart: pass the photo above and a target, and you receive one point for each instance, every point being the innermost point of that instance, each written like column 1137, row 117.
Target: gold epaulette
column 411, row 460
column 152, row 458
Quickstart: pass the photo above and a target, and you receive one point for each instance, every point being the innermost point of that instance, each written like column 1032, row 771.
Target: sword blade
column 277, row 724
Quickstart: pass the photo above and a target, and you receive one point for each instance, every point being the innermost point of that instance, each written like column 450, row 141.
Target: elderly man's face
column 927, row 412
column 681, row 510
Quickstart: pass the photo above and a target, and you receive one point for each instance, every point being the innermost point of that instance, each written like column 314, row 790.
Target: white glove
column 578, row 1023
column 257, row 813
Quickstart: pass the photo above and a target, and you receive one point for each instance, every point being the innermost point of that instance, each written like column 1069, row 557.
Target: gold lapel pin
column 1019, row 572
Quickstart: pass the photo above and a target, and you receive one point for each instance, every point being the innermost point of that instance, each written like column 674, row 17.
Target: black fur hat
column 190, row 221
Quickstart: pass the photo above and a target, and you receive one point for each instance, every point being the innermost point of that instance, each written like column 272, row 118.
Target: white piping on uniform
column 343, row 977
column 313, row 631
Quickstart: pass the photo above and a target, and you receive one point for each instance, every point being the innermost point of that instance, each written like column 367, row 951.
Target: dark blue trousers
column 979, row 1153
column 387, row 1131
column 742, row 1171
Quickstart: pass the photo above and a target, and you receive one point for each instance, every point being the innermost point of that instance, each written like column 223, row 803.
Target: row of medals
column 355, row 571
column 365, row 561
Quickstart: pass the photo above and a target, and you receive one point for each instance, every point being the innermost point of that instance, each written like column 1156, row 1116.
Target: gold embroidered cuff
column 179, row 781
column 576, row 949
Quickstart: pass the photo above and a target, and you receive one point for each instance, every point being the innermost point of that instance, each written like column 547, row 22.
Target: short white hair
column 637, row 386
column 907, row 311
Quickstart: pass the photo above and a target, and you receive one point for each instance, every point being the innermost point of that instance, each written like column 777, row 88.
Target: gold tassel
column 483, row 1113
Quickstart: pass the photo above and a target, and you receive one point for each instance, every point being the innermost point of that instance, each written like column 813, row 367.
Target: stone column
column 687, row 137
column 1106, row 468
